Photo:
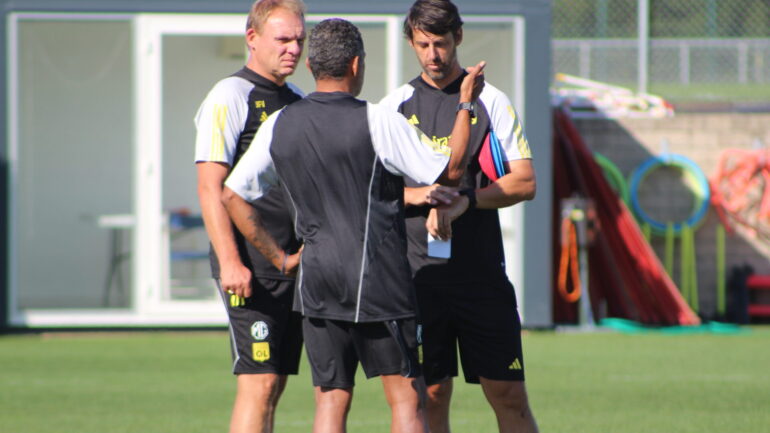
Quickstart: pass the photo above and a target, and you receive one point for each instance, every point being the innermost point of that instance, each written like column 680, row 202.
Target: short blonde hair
column 261, row 9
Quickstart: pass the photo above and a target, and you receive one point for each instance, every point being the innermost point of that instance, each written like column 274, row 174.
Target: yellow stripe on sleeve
column 524, row 149
column 217, row 152
column 518, row 135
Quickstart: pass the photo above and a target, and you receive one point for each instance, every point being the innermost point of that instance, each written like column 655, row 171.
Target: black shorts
column 334, row 349
column 265, row 334
column 482, row 319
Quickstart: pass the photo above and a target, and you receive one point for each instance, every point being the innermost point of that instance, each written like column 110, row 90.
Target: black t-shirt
column 477, row 248
column 341, row 161
column 261, row 98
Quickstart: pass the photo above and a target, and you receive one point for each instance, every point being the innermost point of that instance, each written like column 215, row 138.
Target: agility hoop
column 694, row 177
column 613, row 175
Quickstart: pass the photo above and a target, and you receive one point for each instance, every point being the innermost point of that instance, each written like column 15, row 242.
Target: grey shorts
column 334, row 349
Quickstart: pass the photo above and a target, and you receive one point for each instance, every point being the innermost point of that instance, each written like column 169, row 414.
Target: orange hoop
column 569, row 258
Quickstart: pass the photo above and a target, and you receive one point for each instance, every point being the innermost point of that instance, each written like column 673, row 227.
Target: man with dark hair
column 341, row 161
column 464, row 297
column 266, row 338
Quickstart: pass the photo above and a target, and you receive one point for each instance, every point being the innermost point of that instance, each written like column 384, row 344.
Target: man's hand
column 473, row 83
column 235, row 279
column 439, row 222
column 292, row 263
column 429, row 195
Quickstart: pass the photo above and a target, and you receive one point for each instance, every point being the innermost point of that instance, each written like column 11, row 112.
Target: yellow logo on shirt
column 259, row 104
column 263, row 117
column 260, row 351
column 474, row 120
column 441, row 141
column 434, row 145
column 413, row 120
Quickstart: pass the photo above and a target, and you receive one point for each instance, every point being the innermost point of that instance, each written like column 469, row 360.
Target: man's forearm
column 249, row 223
column 458, row 142
column 516, row 186
column 470, row 89
column 218, row 225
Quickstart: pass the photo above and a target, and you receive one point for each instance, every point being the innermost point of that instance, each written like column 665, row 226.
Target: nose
column 433, row 52
column 294, row 48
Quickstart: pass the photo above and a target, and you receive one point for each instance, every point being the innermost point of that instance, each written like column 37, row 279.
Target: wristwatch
column 471, row 194
column 467, row 106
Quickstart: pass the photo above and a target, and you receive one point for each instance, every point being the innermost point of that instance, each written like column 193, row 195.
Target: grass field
column 593, row 383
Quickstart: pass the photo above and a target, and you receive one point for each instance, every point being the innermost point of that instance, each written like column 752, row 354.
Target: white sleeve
column 394, row 99
column 296, row 90
column 220, row 121
column 254, row 174
column 403, row 149
column 505, row 123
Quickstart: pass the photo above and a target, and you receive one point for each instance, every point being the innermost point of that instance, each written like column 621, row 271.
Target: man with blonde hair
column 265, row 335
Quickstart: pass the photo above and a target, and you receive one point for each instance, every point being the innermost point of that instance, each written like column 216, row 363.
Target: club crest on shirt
column 260, row 330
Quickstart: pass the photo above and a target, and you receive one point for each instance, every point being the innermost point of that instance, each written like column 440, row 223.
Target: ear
column 354, row 66
column 251, row 38
column 459, row 36
column 307, row 65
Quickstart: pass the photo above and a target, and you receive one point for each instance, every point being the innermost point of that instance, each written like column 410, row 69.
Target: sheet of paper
column 438, row 248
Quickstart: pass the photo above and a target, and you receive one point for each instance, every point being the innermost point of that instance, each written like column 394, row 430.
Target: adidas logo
column 515, row 365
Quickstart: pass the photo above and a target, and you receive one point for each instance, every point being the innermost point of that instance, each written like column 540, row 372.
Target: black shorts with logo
column 265, row 334
column 482, row 319
column 334, row 349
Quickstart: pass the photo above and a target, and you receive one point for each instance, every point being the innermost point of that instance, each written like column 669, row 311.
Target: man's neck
column 327, row 85
column 259, row 71
column 457, row 71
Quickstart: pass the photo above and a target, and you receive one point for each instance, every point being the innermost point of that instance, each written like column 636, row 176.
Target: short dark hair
column 333, row 43
column 433, row 16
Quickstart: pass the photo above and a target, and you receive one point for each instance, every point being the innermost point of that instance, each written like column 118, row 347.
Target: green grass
column 711, row 92
column 180, row 382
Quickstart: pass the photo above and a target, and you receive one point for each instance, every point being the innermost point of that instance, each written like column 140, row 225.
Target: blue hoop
column 691, row 171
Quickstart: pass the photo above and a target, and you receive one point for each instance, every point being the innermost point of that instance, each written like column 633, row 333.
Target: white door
column 178, row 59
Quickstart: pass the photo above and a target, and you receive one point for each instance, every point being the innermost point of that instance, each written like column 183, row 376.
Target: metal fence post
column 643, row 45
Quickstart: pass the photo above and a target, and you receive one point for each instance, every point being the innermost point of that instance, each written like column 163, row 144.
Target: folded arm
column 249, row 223
column 516, row 186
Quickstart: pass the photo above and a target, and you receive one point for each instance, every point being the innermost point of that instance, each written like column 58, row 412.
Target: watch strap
column 471, row 194
column 467, row 106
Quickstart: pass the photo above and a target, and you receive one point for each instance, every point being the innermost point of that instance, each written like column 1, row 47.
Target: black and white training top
column 341, row 161
column 477, row 249
column 226, row 123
